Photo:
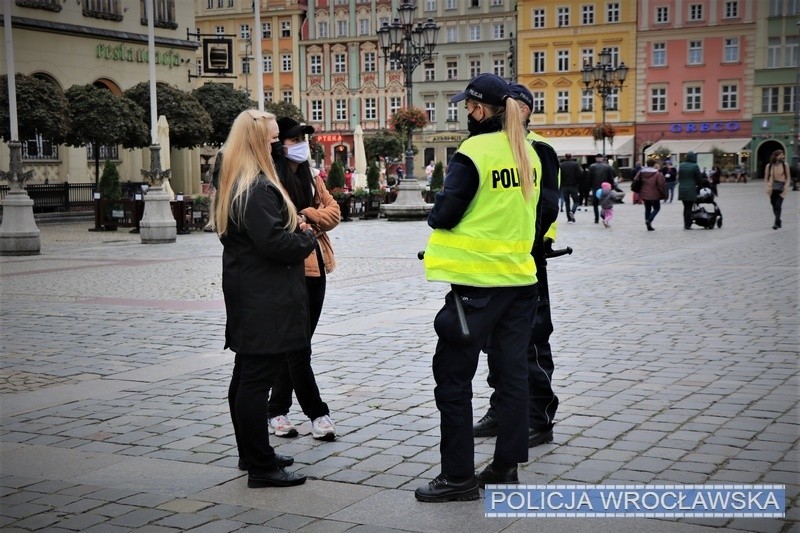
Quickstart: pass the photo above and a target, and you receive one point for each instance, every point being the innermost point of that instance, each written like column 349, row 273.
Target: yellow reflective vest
column 491, row 245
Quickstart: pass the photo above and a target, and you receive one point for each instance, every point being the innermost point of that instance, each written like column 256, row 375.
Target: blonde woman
column 263, row 281
column 776, row 181
column 483, row 230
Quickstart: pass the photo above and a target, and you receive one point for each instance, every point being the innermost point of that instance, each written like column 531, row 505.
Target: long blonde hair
column 517, row 137
column 247, row 155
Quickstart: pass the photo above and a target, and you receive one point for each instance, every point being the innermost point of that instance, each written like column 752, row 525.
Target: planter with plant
column 110, row 197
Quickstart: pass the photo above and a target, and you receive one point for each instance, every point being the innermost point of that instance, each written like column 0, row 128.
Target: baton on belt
column 462, row 316
column 558, row 253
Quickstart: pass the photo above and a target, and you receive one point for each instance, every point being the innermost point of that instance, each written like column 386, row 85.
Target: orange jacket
column 324, row 216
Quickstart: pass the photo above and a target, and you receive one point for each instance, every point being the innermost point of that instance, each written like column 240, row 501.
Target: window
column 340, row 106
column 731, row 49
column 774, row 52
column 562, row 17
column 614, row 51
column 452, row 111
column 370, row 62
column 474, row 68
column 111, row 9
column 316, row 110
column 395, row 103
column 498, row 31
column 693, row 100
column 244, row 31
column 612, row 100
column 322, row 29
column 315, row 64
column 587, row 100
column 267, row 61
column 210, row 4
column 451, row 4
column 230, row 3
column 106, row 152
column 363, row 27
column 451, row 34
column 286, row 28
column 266, row 30
column 562, row 101
column 662, row 15
column 286, row 62
column 220, row 30
column 430, row 72
column 430, row 5
column 430, row 111
column 268, row 96
column 587, row 56
column 789, row 98
column 246, row 65
column 695, row 52
column 731, row 9
column 538, row 18
column 729, row 97
column 341, row 28
column 496, row 3
column 538, row 101
column 659, row 54
column 163, row 11
column 287, row 96
column 452, row 70
column 220, row 3
column 775, row 8
column 538, row 62
column 695, row 12
column 474, row 3
column 769, row 100
column 370, row 109
column 790, row 57
column 562, row 60
column 474, row 32
column 612, row 12
column 658, row 99
column 39, row 148
column 587, row 15
column 499, row 67
column 339, row 63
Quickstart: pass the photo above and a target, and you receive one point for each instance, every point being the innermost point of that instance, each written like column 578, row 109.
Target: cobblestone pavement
column 676, row 362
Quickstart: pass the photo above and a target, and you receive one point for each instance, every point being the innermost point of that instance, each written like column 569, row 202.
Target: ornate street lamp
column 409, row 44
column 604, row 79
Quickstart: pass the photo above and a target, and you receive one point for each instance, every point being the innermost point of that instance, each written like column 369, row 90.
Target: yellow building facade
column 555, row 39
column 105, row 44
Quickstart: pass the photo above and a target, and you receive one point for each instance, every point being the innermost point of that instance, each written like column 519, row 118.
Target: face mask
column 473, row 126
column 298, row 152
column 277, row 149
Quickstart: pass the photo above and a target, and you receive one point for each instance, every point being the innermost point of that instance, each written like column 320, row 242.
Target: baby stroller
column 706, row 218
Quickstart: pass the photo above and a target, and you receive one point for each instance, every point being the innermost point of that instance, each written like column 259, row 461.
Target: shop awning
column 582, row 146
column 681, row 146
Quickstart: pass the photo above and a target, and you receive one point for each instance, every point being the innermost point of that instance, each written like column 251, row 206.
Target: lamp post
column 604, row 79
column 409, row 44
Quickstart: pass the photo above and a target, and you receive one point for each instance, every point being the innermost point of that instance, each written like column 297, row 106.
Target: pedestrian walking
column 485, row 217
column 570, row 177
column 689, row 179
column 670, row 179
column 653, row 190
column 317, row 208
column 599, row 172
column 263, row 284
column 776, row 181
column 606, row 197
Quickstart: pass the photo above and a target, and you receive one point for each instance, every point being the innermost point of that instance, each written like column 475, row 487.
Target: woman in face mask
column 316, row 207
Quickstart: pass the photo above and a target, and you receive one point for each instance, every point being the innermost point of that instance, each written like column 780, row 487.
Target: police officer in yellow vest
column 484, row 224
column 543, row 403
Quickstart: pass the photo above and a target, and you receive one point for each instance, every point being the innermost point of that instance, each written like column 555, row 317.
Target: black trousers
column 570, row 193
column 777, row 204
column 296, row 373
column 253, row 375
column 596, row 206
column 542, row 401
column 505, row 313
column 651, row 209
column 687, row 213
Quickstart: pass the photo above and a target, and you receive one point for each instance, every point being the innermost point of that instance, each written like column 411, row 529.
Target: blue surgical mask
column 298, row 152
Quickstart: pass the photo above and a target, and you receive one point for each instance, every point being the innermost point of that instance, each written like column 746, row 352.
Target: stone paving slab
column 676, row 361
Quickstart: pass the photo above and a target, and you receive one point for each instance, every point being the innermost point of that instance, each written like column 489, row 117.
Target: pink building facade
column 695, row 62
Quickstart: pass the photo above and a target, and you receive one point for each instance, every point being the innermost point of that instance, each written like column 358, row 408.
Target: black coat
column 263, row 278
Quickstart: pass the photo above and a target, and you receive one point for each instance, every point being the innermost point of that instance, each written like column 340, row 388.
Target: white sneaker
column 281, row 426
column 322, row 428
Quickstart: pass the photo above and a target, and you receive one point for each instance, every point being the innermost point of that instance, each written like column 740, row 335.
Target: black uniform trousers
column 542, row 401
column 505, row 314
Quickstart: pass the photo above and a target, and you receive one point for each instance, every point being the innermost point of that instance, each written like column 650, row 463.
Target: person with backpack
column 652, row 189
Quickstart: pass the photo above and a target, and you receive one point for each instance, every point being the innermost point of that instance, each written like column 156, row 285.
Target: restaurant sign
column 122, row 52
